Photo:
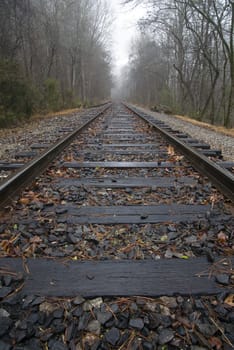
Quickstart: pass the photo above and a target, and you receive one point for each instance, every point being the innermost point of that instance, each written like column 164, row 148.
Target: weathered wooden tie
column 120, row 165
column 63, row 278
column 26, row 154
column 129, row 182
column 10, row 166
column 40, row 145
column 129, row 214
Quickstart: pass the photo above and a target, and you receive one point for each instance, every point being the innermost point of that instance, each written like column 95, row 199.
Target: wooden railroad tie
column 114, row 182
column 129, row 214
column 67, row 278
column 120, row 165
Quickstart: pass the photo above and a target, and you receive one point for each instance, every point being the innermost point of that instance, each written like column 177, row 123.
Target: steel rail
column 222, row 179
column 23, row 177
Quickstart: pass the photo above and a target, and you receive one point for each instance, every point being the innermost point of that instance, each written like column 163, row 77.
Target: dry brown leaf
column 24, row 200
column 8, row 245
column 47, row 307
column 128, row 248
column 215, row 343
column 35, row 239
column 229, row 300
column 222, row 237
column 31, row 194
column 170, row 150
column 69, row 158
column 89, row 339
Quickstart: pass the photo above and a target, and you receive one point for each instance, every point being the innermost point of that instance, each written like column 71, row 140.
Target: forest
column 53, row 55
column 184, row 58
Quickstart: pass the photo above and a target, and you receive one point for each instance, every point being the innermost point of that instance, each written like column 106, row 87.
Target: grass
column 219, row 129
column 64, row 112
column 19, row 125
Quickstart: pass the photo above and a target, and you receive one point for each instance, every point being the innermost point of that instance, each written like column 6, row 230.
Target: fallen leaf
column 164, row 238
column 24, row 201
column 229, row 300
column 222, row 237
column 48, row 308
column 184, row 257
column 35, row 239
column 180, row 255
column 8, row 245
column 215, row 343
column 170, row 150
column 89, row 339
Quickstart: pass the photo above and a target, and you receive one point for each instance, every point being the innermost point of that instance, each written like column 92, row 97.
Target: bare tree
column 197, row 40
column 64, row 41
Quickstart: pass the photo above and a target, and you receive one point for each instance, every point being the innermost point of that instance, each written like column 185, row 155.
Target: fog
column 124, row 30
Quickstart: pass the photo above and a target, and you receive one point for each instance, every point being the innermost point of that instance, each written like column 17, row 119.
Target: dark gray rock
column 206, row 329
column 37, row 301
column 20, row 335
column 166, row 321
column 94, row 327
column 229, row 328
column 7, row 280
column 187, row 306
column 230, row 317
column 4, row 313
column 221, row 311
column 147, row 346
column 199, row 305
column 4, row 346
column 4, row 291
column 33, row 344
column 165, row 336
column 5, row 324
column 83, row 321
column 136, row 323
column 154, row 320
column 114, row 308
column 28, row 300
column 78, row 300
column 104, row 317
column 57, row 326
column 145, row 332
column 122, row 322
column 222, row 279
column 58, row 345
column 78, row 311
column 172, row 235
column 181, row 331
column 58, row 313
column 33, row 318
column 72, row 238
column 112, row 336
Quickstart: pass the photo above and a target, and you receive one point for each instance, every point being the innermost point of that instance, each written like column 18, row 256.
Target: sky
column 124, row 30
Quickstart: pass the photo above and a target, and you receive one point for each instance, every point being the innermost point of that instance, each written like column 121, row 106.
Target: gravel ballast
column 19, row 138
column 216, row 140
column 36, row 225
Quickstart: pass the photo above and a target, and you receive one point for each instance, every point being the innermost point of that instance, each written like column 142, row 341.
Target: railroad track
column 117, row 212
column 32, row 144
